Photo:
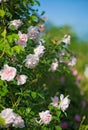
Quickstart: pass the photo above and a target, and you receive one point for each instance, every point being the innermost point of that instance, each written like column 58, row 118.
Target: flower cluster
column 62, row 104
column 32, row 60
column 9, row 73
column 11, row 119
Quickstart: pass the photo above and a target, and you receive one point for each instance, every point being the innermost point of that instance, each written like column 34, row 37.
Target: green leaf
column 58, row 113
column 2, row 121
column 8, row 49
column 2, row 13
column 33, row 94
column 11, row 38
column 34, row 18
column 4, row 33
column 3, row 90
column 58, row 128
column 17, row 49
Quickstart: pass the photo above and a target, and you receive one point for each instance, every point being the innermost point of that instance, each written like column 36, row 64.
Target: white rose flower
column 18, row 122
column 31, row 61
column 22, row 39
column 8, row 73
column 8, row 115
column 21, row 79
column 45, row 117
column 15, row 23
column 39, row 51
column 64, row 103
column 34, row 34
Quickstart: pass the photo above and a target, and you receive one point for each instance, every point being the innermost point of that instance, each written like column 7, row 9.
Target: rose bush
column 31, row 70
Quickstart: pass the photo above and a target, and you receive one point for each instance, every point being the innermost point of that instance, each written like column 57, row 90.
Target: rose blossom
column 54, row 65
column 54, row 101
column 21, row 79
column 8, row 115
column 66, row 39
column 31, row 61
column 8, row 73
column 64, row 102
column 22, row 39
column 15, row 23
column 11, row 118
column 34, row 34
column 18, row 122
column 39, row 51
column 45, row 117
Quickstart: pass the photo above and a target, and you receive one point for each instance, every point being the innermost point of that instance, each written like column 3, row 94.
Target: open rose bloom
column 8, row 73
column 39, row 51
column 45, row 117
column 31, row 61
column 22, row 39
column 64, row 103
column 11, row 119
column 21, row 79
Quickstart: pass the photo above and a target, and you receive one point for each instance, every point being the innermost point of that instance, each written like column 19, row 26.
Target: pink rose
column 21, row 79
column 45, row 117
column 8, row 73
column 22, row 39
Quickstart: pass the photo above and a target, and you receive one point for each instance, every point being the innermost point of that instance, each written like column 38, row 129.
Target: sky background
column 70, row 12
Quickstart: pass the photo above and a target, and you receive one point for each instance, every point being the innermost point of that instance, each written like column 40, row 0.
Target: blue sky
column 72, row 12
